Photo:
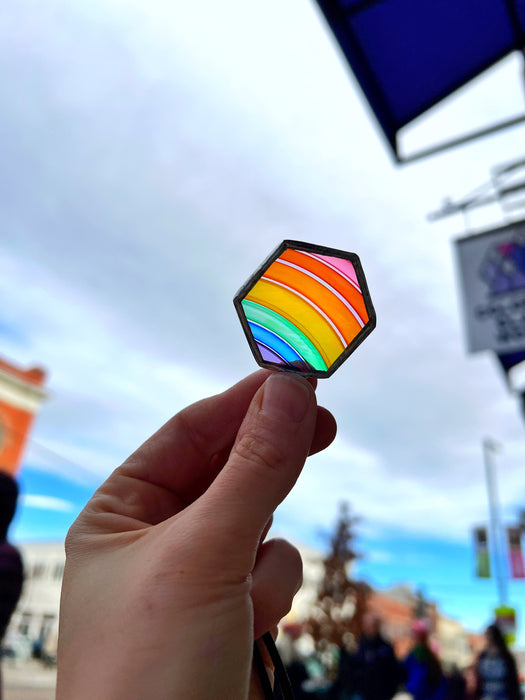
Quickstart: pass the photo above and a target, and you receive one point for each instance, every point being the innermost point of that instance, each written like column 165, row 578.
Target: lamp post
column 490, row 447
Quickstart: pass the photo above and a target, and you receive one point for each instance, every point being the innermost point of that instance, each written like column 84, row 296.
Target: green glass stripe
column 297, row 339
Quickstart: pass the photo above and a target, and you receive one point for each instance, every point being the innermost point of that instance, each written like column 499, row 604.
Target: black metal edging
column 321, row 250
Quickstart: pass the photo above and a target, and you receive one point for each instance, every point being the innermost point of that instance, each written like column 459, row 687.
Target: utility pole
column 490, row 447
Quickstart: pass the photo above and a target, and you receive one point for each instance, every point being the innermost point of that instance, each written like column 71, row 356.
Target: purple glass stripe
column 270, row 356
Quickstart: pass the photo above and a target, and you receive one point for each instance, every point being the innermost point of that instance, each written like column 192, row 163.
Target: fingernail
column 286, row 397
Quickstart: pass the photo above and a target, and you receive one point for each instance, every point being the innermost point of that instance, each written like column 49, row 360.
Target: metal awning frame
column 496, row 191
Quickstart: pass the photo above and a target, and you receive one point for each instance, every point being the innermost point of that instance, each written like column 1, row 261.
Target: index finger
column 180, row 455
column 179, row 462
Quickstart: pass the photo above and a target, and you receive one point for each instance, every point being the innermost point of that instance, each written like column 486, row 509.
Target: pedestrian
column 470, row 676
column 425, row 679
column 293, row 660
column 11, row 568
column 373, row 671
column 456, row 684
column 345, row 684
column 497, row 676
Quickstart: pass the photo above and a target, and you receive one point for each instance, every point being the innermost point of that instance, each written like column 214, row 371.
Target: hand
column 168, row 580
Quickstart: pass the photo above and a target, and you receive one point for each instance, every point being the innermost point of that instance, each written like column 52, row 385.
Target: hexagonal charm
column 306, row 309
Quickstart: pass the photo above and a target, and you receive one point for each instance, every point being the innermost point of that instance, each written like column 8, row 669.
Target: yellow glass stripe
column 302, row 314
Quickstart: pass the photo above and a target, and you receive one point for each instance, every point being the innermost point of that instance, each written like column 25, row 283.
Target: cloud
column 150, row 167
column 106, row 397
column 33, row 500
column 390, row 502
column 379, row 556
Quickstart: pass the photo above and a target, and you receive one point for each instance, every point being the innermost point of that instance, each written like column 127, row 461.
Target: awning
column 408, row 55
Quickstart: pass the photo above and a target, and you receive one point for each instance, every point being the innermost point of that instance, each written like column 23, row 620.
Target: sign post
column 489, row 448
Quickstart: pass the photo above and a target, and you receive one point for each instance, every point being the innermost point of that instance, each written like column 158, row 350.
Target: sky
column 153, row 155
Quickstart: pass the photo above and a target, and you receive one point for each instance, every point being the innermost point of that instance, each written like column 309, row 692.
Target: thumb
column 270, row 450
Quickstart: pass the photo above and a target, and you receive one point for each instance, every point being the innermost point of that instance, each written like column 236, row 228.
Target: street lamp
column 490, row 448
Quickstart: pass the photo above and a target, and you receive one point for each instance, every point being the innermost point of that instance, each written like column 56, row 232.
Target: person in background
column 11, row 568
column 497, row 676
column 344, row 686
column 456, row 684
column 293, row 661
column 471, row 681
column 372, row 672
column 379, row 670
column 425, row 679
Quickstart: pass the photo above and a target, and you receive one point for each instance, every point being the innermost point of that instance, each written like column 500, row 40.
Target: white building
column 454, row 647
column 313, row 572
column 36, row 616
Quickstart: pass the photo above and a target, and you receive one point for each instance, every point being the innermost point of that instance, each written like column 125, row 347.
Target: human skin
column 168, row 580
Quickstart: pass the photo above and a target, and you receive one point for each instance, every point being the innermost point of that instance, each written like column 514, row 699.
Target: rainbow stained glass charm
column 306, row 309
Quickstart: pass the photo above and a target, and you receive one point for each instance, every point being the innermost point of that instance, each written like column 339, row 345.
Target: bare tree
column 341, row 601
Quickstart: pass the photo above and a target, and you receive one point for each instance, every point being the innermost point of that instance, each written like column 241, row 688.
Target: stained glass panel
column 306, row 309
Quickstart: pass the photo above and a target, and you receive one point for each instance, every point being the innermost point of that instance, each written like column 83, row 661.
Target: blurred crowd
column 370, row 670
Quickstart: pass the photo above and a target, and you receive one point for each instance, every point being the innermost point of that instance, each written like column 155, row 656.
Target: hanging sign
column 481, row 549
column 491, row 267
column 517, row 567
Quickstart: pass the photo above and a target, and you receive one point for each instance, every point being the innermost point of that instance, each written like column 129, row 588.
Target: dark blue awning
column 408, row 55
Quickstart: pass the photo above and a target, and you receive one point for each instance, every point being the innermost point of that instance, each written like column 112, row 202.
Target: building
column 312, row 575
column 453, row 642
column 35, row 619
column 397, row 607
column 21, row 395
column 397, row 617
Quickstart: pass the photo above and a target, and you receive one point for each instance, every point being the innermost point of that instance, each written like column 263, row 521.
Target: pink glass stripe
column 344, row 266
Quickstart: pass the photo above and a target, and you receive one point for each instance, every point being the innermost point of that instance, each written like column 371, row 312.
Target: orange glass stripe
column 322, row 297
column 334, row 279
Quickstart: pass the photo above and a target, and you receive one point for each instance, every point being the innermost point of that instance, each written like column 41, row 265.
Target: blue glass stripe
column 275, row 342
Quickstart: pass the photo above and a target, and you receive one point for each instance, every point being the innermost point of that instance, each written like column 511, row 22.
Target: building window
column 38, row 570
column 46, row 626
column 24, row 624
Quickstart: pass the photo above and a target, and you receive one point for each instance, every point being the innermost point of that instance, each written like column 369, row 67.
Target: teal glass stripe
column 286, row 330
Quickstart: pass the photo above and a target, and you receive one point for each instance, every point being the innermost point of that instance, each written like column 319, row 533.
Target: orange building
column 397, row 617
column 21, row 395
column 397, row 606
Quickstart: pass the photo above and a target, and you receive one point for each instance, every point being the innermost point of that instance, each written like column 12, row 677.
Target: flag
column 517, row 568
column 482, row 552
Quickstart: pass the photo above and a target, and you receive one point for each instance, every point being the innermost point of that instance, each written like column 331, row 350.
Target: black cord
column 261, row 670
column 279, row 670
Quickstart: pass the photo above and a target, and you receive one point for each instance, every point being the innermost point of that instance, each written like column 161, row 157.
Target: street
column 28, row 680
